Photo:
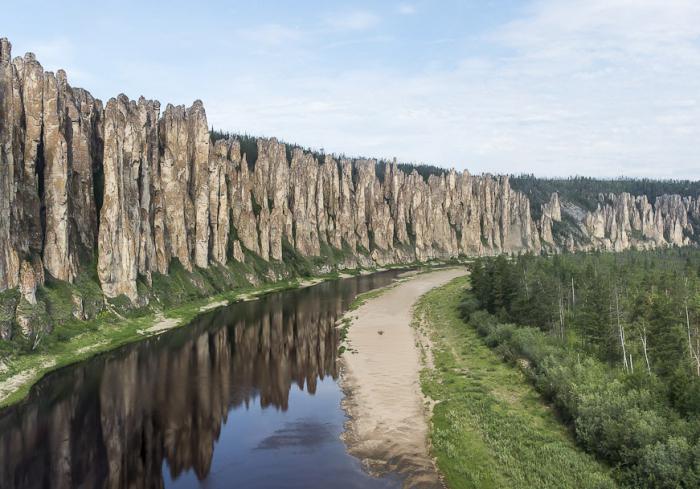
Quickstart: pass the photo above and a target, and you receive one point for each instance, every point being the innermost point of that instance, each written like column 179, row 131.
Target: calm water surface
column 246, row 396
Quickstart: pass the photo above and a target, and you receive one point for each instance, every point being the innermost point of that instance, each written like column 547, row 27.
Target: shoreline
column 388, row 414
column 108, row 336
column 19, row 374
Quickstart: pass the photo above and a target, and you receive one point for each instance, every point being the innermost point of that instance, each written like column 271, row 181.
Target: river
column 245, row 396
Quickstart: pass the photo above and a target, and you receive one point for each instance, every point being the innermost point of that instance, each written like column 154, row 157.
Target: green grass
column 490, row 428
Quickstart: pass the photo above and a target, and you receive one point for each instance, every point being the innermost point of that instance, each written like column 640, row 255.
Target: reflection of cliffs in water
column 290, row 344
column 112, row 422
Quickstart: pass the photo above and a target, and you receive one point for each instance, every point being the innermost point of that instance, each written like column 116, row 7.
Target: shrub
column 623, row 418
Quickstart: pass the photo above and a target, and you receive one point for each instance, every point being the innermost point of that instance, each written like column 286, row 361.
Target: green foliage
column 36, row 316
column 423, row 170
column 490, row 428
column 180, row 286
column 8, row 304
column 216, row 135
column 87, row 287
column 468, row 306
column 567, row 320
column 58, row 297
column 302, row 266
column 249, row 144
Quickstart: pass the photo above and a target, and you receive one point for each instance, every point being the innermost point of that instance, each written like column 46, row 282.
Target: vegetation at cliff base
column 490, row 428
column 613, row 342
column 72, row 321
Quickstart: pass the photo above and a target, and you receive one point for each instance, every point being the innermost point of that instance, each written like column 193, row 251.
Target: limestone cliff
column 621, row 222
column 135, row 189
column 50, row 144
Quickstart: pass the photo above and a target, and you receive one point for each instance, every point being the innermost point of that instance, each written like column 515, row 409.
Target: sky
column 601, row 88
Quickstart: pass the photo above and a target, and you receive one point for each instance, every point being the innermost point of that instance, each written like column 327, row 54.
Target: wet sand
column 388, row 414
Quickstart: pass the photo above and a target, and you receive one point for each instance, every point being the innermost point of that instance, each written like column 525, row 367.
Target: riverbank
column 387, row 427
column 19, row 372
column 490, row 428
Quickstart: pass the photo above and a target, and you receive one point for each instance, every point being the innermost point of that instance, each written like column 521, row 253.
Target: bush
column 483, row 322
column 673, row 463
column 622, row 418
column 468, row 306
column 499, row 334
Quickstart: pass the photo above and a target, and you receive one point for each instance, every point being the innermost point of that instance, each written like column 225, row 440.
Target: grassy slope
column 490, row 428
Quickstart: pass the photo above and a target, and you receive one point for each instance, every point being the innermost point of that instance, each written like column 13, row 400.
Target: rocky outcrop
column 21, row 108
column 220, row 180
column 551, row 213
column 184, row 169
column 157, row 173
column 137, row 188
column 126, row 245
column 50, row 145
column 623, row 221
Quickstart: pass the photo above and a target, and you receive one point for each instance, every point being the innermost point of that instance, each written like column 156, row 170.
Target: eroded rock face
column 220, row 175
column 28, row 281
column 623, row 221
column 49, row 148
column 162, row 191
column 21, row 112
column 158, row 172
column 198, row 156
column 126, row 245
column 551, row 213
column 175, row 175
column 60, row 257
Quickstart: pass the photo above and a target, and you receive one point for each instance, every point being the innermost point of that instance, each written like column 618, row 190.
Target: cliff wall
column 129, row 189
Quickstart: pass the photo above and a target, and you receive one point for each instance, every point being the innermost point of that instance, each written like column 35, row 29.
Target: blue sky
column 551, row 87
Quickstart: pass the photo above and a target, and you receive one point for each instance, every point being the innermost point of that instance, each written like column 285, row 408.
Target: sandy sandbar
column 380, row 374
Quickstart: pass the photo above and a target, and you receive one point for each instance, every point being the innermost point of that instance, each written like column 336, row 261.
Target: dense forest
column 613, row 341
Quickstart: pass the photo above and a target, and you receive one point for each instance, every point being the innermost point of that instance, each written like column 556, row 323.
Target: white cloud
column 596, row 87
column 356, row 20
column 600, row 88
column 270, row 34
column 578, row 91
column 406, row 9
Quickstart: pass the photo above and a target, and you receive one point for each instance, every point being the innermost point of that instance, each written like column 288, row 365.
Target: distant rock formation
column 621, row 222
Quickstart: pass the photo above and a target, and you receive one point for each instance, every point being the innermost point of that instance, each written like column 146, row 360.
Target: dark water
column 246, row 396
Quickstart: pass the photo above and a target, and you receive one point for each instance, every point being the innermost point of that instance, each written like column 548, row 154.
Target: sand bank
column 388, row 425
